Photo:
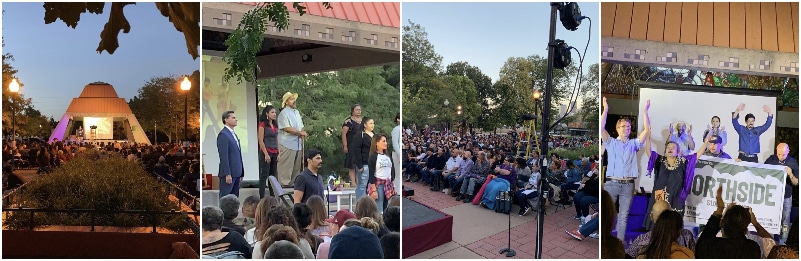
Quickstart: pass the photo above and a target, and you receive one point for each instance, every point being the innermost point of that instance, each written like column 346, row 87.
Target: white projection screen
column 696, row 105
column 105, row 127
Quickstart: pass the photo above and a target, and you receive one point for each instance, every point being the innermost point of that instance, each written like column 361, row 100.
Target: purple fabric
column 689, row 172
column 652, row 162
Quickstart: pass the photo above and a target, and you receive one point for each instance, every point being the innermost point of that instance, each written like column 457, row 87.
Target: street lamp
column 459, row 113
column 536, row 95
column 14, row 88
column 186, row 85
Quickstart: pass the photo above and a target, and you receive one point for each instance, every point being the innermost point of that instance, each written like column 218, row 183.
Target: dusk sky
column 55, row 61
column 486, row 34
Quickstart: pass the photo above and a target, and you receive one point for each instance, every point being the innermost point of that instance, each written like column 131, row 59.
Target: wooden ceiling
column 755, row 26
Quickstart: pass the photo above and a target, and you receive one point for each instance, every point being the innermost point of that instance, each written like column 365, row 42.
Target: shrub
column 100, row 182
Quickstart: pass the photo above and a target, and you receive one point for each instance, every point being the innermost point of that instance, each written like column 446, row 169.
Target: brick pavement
column 557, row 244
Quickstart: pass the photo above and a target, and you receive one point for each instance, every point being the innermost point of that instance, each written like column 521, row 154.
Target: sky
column 55, row 61
column 485, row 35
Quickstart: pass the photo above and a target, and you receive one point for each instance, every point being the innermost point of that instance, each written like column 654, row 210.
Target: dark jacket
column 371, row 166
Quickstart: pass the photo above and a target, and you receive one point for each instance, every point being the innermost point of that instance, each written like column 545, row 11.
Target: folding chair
column 285, row 196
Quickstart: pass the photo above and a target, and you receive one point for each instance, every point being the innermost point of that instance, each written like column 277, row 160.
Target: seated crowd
column 479, row 168
column 270, row 230
column 170, row 161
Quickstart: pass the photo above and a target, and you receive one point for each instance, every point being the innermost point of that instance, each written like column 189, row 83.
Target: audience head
column 783, row 252
column 249, row 206
column 230, row 206
column 318, row 212
column 666, row 230
column 658, row 208
column 262, row 214
column 392, row 219
column 282, row 215
column 366, row 207
column 211, row 218
column 283, row 250
column 735, row 222
column 390, row 244
column 355, row 243
column 303, row 215
column 276, row 233
column 370, row 224
column 394, row 201
column 341, row 216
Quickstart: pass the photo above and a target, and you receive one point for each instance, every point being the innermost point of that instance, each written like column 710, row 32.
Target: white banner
column 754, row 185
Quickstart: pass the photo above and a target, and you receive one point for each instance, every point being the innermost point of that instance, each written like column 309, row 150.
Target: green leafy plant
column 105, row 183
column 245, row 42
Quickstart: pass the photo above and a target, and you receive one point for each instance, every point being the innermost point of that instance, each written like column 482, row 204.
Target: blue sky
column 486, row 34
column 55, row 61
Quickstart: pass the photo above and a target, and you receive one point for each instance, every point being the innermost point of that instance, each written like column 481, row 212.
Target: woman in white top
column 382, row 173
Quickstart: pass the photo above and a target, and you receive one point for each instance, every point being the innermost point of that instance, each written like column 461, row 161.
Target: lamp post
column 536, row 96
column 186, row 85
column 14, row 88
column 459, row 114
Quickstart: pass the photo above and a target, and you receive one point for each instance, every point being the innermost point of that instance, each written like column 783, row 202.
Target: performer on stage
column 674, row 175
column 749, row 134
column 622, row 171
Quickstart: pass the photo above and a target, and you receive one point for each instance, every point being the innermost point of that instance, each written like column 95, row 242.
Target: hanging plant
column 245, row 42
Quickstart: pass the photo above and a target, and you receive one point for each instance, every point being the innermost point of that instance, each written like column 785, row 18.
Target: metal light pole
column 545, row 119
column 14, row 88
column 186, row 85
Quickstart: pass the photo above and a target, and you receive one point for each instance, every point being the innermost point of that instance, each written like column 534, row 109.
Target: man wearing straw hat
column 290, row 140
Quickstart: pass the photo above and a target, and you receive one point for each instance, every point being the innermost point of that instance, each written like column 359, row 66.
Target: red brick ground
column 556, row 243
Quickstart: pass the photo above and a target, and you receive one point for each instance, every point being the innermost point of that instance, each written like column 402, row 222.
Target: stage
column 423, row 228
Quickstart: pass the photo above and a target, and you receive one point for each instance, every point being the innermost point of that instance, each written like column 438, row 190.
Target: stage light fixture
column 562, row 58
column 570, row 15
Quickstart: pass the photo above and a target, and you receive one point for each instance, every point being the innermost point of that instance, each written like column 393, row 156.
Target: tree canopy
column 159, row 105
column 489, row 105
column 185, row 17
column 325, row 99
column 245, row 41
column 29, row 120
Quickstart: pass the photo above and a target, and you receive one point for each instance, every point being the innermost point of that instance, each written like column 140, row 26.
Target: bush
column 103, row 183
column 574, row 154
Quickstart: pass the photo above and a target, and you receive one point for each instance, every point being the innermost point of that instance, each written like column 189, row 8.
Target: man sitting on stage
column 749, row 135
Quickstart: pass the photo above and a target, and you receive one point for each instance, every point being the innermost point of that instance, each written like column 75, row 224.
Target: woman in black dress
column 673, row 176
column 352, row 125
column 268, row 147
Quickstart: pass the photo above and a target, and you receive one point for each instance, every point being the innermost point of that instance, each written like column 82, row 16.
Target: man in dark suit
column 228, row 147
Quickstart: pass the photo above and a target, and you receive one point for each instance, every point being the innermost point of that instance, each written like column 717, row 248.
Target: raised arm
column 703, row 148
column 690, row 140
column 760, row 230
column 604, row 133
column 768, row 121
column 646, row 132
column 738, row 110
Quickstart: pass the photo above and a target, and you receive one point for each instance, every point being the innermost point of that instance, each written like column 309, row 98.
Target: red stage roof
column 378, row 13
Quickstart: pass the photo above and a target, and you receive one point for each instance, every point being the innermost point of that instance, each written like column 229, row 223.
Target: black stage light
column 562, row 59
column 570, row 15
